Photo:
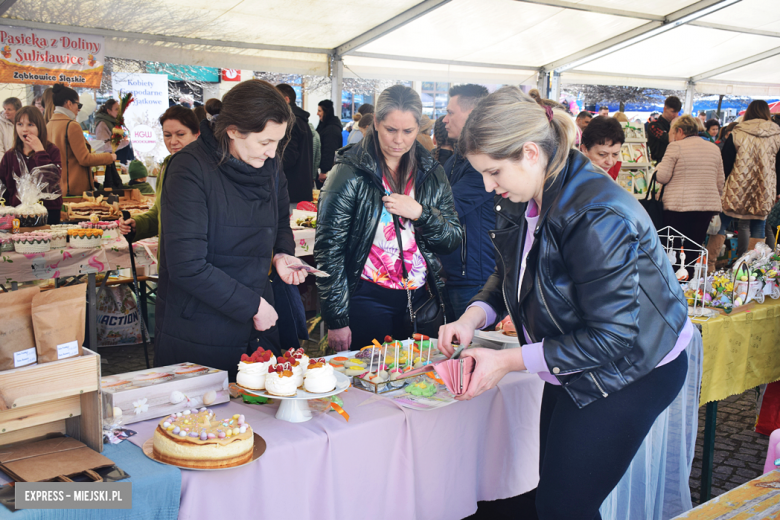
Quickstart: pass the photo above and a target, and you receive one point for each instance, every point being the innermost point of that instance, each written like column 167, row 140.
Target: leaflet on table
column 440, row 399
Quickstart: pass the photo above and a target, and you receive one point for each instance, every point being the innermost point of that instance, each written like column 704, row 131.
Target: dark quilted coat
column 350, row 206
column 222, row 223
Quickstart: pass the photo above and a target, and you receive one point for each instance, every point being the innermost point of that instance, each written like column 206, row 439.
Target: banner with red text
column 47, row 57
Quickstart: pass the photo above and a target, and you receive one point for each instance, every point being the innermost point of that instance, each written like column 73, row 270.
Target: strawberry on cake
column 252, row 370
column 295, row 361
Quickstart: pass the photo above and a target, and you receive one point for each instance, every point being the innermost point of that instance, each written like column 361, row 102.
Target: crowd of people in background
column 506, row 205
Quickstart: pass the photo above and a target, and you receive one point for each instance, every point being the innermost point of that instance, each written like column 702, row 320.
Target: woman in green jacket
column 180, row 128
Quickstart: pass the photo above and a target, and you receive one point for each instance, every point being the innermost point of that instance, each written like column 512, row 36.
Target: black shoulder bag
column 654, row 207
column 429, row 316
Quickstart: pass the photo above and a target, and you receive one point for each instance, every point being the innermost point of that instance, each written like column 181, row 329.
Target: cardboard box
column 51, row 459
column 161, row 391
column 58, row 397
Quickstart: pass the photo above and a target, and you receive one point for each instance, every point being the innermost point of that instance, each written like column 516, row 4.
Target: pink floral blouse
column 383, row 265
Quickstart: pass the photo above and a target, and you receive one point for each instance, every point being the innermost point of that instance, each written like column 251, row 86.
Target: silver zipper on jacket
column 463, row 255
column 544, row 301
column 597, row 384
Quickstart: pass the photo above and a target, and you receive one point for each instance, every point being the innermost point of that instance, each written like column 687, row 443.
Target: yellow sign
column 46, row 57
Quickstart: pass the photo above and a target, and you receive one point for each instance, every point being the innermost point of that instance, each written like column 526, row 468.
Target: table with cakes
column 376, row 430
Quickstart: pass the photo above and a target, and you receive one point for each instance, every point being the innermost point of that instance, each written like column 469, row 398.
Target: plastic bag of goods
column 7, row 213
column 33, row 187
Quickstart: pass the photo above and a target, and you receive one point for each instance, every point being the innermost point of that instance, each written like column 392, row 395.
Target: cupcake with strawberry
column 252, row 370
column 296, row 362
column 280, row 380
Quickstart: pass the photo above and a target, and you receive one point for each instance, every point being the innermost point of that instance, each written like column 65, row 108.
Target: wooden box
column 58, row 397
column 165, row 390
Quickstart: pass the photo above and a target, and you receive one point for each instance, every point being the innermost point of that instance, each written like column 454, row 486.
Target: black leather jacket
column 598, row 287
column 348, row 213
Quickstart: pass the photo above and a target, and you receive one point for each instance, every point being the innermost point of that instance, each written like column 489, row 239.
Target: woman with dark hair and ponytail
column 598, row 310
column 445, row 146
column 387, row 177
column 225, row 211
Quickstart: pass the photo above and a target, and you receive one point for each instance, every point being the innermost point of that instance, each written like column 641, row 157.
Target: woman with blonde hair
column 620, row 116
column 692, row 171
column 583, row 275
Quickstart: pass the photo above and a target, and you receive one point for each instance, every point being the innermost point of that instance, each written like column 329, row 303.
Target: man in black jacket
column 468, row 268
column 330, row 138
column 658, row 131
column 297, row 158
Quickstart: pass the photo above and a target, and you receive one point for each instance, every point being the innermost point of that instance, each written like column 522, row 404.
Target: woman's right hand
column 126, row 226
column 462, row 330
column 340, row 339
column 113, row 157
column 266, row 316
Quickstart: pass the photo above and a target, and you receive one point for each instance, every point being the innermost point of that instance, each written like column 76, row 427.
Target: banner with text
column 142, row 118
column 47, row 57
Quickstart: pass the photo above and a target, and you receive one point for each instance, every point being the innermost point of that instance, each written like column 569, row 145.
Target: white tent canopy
column 712, row 46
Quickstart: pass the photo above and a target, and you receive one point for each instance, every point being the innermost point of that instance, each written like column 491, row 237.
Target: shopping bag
column 118, row 317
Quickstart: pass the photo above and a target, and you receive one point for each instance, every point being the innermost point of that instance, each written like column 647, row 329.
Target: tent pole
column 688, row 107
column 555, row 87
column 336, row 82
column 543, row 83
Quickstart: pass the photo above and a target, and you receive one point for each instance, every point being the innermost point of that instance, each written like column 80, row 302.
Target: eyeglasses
column 81, row 106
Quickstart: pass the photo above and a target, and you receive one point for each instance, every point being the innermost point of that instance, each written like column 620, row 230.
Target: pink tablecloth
column 387, row 462
column 66, row 262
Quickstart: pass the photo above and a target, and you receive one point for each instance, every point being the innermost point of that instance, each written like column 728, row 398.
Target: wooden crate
column 58, row 397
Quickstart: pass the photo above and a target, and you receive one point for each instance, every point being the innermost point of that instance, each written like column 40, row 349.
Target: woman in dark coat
column 331, row 139
column 226, row 220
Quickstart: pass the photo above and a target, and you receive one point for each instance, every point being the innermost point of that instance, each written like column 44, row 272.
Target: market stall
column 740, row 353
column 407, row 464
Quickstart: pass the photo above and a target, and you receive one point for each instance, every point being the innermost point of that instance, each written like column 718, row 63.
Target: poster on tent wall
column 47, row 57
column 142, row 118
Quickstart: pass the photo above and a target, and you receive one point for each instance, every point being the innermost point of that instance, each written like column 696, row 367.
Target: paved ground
column 739, row 451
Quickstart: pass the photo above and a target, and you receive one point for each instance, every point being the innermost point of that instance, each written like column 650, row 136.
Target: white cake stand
column 295, row 408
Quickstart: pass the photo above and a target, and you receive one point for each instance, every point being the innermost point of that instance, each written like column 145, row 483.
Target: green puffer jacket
column 349, row 210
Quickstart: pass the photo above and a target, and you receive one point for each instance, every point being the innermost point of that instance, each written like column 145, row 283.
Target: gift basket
column 33, row 187
column 753, row 278
column 7, row 213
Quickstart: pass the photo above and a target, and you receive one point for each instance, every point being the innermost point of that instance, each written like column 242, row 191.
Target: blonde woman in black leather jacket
column 599, row 313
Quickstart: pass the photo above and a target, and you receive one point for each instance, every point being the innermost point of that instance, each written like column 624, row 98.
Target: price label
column 25, row 357
column 67, row 350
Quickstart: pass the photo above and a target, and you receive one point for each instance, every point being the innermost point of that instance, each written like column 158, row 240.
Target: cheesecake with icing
column 197, row 439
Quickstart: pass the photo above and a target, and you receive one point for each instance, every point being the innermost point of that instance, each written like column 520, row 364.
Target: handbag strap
column 67, row 161
column 405, row 280
column 651, row 188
